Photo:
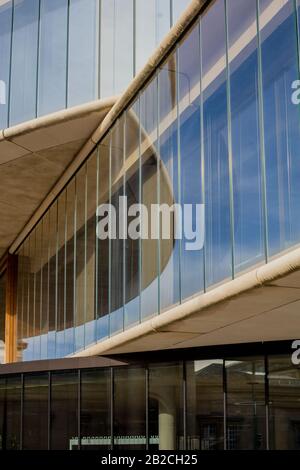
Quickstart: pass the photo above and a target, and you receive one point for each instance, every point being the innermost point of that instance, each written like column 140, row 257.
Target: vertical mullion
column 140, row 202
column 79, row 408
column 267, row 410
column 38, row 59
column 124, row 217
column 10, row 61
column 109, row 239
column 28, row 285
column 67, row 54
column 134, row 37
column 74, row 264
column 178, row 171
column 112, row 407
column 22, row 412
column 65, row 267
column 184, row 391
column 224, row 405
column 229, row 130
column 202, row 156
column 48, row 281
column 23, row 292
column 34, row 294
column 147, row 406
column 49, row 410
column 85, row 255
column 41, row 292
column 99, row 68
column 262, row 135
column 158, row 190
column 56, row 281
column 97, row 249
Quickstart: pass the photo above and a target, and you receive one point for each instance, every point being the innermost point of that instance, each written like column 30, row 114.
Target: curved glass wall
column 61, row 53
column 203, row 404
column 215, row 128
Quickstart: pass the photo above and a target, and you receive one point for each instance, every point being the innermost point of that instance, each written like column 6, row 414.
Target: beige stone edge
column 185, row 19
column 259, row 276
column 58, row 117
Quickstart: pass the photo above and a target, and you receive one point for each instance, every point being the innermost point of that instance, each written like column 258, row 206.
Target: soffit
column 34, row 156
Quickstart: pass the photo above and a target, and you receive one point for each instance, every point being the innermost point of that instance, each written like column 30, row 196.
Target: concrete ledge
column 258, row 277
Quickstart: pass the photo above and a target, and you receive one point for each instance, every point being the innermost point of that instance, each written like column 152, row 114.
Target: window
column 35, row 429
column 246, row 420
column 95, row 409
column 205, row 405
column 64, row 410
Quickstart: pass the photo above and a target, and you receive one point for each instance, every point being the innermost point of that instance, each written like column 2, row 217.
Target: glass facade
column 236, row 403
column 70, row 52
column 211, row 127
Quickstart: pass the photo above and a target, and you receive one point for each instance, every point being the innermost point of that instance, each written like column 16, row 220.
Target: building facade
column 153, row 342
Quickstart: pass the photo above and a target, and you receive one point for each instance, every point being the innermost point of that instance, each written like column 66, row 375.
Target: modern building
column 149, row 342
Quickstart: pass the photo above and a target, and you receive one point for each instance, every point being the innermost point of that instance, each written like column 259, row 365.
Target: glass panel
column 152, row 24
column 5, row 49
column 52, row 56
column 281, row 122
column 2, row 317
column 80, row 244
column 52, row 280
column 83, row 51
column 28, row 353
column 243, row 64
column 205, row 405
column 20, row 300
column 91, row 201
column 246, row 420
column 45, row 287
column 116, row 46
column 35, row 418
column 149, row 195
column 61, row 272
column 169, row 179
column 117, row 243
column 178, row 8
column 192, row 267
column 95, row 409
column 107, row 33
column 26, row 253
column 166, row 406
column 132, row 193
column 64, row 410
column 24, row 61
column 103, row 245
column 284, row 404
column 70, row 269
column 38, row 297
column 12, row 432
column 217, row 199
column 129, row 409
column 123, row 45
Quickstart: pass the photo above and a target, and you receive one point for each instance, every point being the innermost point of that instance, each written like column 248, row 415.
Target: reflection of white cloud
column 2, row 92
column 1, row 352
